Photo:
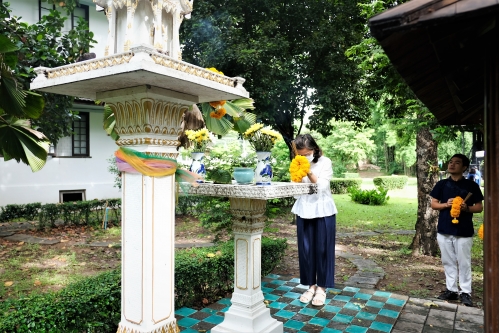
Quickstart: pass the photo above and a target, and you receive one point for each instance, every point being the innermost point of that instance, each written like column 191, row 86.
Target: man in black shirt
column 455, row 239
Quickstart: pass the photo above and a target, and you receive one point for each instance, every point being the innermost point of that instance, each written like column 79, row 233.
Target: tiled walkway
column 347, row 309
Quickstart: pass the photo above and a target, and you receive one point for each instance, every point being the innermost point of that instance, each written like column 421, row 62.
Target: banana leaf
column 22, row 143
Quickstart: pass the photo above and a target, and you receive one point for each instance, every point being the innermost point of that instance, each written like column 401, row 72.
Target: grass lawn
column 399, row 213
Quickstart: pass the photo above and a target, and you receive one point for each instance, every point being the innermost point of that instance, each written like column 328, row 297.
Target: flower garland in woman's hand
column 299, row 167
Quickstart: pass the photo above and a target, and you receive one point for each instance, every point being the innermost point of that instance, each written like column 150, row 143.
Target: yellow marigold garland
column 218, row 114
column 480, row 232
column 455, row 209
column 299, row 167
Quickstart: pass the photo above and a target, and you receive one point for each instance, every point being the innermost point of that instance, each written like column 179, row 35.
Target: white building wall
column 98, row 23
column 19, row 185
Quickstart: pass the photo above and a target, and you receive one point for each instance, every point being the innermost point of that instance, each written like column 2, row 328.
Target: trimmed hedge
column 391, row 182
column 93, row 305
column 77, row 213
column 340, row 185
column 27, row 212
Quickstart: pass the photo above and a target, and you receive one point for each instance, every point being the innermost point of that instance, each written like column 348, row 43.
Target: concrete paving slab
column 6, row 233
column 31, row 239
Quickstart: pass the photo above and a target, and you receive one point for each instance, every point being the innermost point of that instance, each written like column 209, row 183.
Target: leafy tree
column 348, row 144
column 39, row 44
column 291, row 54
column 381, row 81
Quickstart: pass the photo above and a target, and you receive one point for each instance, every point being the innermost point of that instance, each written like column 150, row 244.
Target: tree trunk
column 425, row 240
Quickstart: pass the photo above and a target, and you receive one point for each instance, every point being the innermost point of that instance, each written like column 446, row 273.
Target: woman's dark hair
column 307, row 141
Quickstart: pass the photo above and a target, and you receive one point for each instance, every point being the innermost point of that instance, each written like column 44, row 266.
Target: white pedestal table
column 248, row 313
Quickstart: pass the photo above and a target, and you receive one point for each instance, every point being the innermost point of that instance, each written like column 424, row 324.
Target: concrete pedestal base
column 244, row 320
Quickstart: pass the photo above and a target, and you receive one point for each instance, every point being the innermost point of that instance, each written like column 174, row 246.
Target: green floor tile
column 187, row 322
column 375, row 304
column 362, row 296
column 351, row 289
column 398, row 302
column 297, row 302
column 309, row 312
column 319, row 321
column 342, row 298
column 277, row 305
column 388, row 313
column 352, row 306
column 294, row 324
column 341, row 318
column 185, row 312
column 376, row 325
column 366, row 315
column 271, row 297
column 285, row 314
column 331, row 308
column 291, row 294
column 330, row 330
column 385, row 294
column 215, row 319
column 356, row 329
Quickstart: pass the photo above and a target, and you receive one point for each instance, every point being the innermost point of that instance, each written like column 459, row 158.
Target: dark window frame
column 84, row 117
column 41, row 7
column 74, row 19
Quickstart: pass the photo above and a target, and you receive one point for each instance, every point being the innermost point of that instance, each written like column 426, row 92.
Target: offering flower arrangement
column 199, row 139
column 299, row 167
column 455, row 207
column 261, row 138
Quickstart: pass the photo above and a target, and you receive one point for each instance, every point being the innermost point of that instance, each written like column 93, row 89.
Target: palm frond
column 22, row 143
column 218, row 126
column 244, row 122
column 244, row 103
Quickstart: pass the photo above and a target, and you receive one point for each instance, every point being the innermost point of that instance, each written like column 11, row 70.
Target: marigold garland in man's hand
column 299, row 167
column 480, row 232
column 455, row 209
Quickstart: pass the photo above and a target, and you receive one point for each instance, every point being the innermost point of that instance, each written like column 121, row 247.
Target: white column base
column 244, row 320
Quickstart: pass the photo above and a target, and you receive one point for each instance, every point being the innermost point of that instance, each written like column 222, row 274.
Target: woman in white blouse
column 316, row 224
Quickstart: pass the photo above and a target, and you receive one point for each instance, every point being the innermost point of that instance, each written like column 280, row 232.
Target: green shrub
column 368, row 197
column 11, row 212
column 391, row 182
column 93, row 305
column 351, row 175
column 214, row 215
column 340, row 185
column 78, row 213
column 339, row 169
column 31, row 211
column 48, row 216
column 186, row 204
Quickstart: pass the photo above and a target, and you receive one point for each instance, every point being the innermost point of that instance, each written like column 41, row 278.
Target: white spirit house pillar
column 148, row 91
column 248, row 313
column 148, row 119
